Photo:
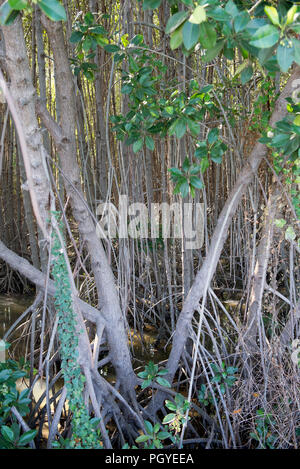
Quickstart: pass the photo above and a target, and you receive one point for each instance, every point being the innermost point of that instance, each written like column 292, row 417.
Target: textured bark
column 104, row 279
column 259, row 274
column 23, row 93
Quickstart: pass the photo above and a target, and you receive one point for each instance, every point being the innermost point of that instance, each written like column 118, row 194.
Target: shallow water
column 11, row 307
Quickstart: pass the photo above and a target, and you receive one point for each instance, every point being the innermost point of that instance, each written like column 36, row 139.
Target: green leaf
column 148, row 427
column 175, row 172
column 87, row 43
column 163, row 435
column 231, row 9
column 7, row 433
column 291, row 14
column 296, row 45
column 272, row 14
column 27, row 437
column 170, row 405
column 201, row 150
column 178, row 127
column 186, row 165
column 163, row 381
column 53, row 9
column 163, row 372
column 151, row 4
column 146, row 383
column 231, row 370
column 285, row 56
column 149, row 143
column 190, row 34
column 89, row 18
column 246, row 74
column 196, row 182
column 76, row 36
column 213, row 52
column 290, row 234
column 112, row 48
column 213, row 135
column 175, row 21
column 169, row 418
column 176, row 39
column 241, row 21
column 184, row 190
column 18, row 4
column 143, row 438
column 194, row 127
column 207, row 35
column 265, row 37
column 280, row 223
column 218, row 14
column 138, row 145
column 101, row 41
column 198, row 15
column 204, row 164
column 216, row 154
column 7, row 14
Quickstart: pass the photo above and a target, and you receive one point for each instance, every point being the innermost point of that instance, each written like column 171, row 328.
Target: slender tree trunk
column 105, row 282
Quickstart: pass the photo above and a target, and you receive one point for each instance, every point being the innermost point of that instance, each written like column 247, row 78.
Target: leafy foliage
column 11, row 436
column 222, row 377
column 88, row 35
column 151, row 374
column 85, row 434
column 153, row 437
column 10, row 9
column 263, row 430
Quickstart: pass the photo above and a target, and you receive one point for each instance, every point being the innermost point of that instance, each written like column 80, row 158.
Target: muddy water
column 11, row 307
column 143, row 348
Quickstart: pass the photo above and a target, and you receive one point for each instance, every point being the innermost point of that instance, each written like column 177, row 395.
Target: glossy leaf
column 272, row 14
column 198, row 15
column 27, row 437
column 142, row 438
column 7, row 433
column 196, row 182
column 163, row 381
column 175, row 21
column 285, row 56
column 18, row 4
column 148, row 427
column 241, row 21
column 291, row 14
column 7, row 14
column 190, row 34
column 265, row 37
column 53, row 9
column 169, row 418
